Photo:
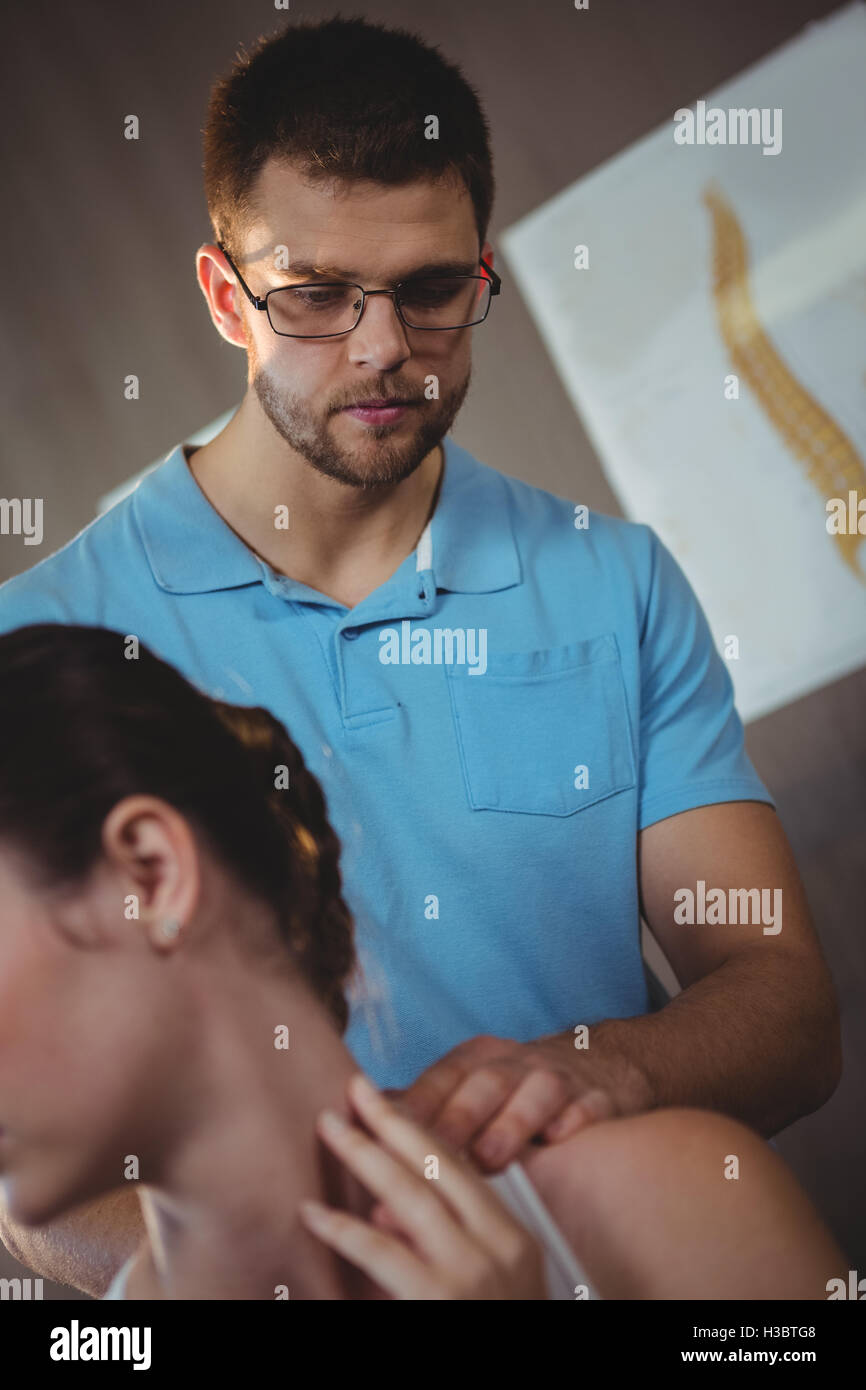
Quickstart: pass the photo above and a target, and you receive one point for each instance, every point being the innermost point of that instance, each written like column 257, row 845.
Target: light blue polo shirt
column 487, row 789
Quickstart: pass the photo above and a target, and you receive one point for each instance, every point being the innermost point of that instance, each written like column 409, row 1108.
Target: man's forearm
column 755, row 1039
column 86, row 1247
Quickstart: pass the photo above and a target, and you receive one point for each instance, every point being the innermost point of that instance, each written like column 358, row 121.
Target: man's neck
column 342, row 541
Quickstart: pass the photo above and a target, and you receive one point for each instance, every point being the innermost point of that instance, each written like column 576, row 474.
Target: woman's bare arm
column 86, row 1247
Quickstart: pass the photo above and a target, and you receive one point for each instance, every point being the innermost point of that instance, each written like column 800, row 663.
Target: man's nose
column 380, row 337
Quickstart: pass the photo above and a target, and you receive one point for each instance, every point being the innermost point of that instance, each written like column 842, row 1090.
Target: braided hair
column 92, row 716
column 314, row 916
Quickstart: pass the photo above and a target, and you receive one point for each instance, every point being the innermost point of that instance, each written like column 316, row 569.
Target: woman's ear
column 152, row 852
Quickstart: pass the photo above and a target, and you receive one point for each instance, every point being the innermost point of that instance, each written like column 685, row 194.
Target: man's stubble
column 398, row 454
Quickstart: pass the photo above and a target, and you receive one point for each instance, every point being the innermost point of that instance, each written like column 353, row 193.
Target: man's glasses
column 327, row 308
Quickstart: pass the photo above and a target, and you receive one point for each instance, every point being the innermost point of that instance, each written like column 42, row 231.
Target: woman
column 174, row 956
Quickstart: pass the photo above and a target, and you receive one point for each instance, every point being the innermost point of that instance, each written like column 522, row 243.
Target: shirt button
column 350, row 633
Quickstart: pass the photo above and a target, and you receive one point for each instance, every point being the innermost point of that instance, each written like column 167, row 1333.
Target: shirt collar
column 474, row 550
column 191, row 549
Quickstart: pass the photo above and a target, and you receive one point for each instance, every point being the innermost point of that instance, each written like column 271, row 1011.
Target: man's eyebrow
column 308, row 270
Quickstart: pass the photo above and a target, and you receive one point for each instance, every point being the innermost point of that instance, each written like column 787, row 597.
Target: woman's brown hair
column 91, row 716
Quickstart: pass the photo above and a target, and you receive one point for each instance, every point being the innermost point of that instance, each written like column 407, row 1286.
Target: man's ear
column 222, row 293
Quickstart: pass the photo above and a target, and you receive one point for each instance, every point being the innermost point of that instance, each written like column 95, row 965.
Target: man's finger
column 474, row 1103
column 426, row 1096
column 586, row 1110
column 536, row 1102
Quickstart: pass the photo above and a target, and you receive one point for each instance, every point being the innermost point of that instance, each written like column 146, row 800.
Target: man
column 524, row 732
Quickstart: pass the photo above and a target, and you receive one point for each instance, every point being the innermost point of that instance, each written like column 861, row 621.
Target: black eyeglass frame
column 258, row 302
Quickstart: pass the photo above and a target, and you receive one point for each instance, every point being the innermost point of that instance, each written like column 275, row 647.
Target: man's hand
column 493, row 1096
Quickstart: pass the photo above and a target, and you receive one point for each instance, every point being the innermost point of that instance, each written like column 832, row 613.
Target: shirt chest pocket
column 546, row 733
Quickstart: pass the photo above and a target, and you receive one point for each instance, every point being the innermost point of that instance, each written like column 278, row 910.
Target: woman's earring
column 170, row 928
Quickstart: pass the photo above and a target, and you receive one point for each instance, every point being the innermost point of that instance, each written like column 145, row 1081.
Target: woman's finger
column 387, row 1260
column 477, row 1206
column 419, row 1209
column 384, row 1218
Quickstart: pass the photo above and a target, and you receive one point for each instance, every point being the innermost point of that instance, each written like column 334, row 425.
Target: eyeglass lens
column 321, row 309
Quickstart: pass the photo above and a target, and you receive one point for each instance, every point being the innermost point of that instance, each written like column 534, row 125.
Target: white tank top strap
column 566, row 1278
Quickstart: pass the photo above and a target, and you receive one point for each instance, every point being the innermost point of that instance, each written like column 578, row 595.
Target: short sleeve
column 692, row 749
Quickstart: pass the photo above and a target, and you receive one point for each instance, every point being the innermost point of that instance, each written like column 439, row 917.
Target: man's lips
column 378, row 412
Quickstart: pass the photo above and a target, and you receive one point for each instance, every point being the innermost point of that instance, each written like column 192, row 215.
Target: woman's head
column 131, row 801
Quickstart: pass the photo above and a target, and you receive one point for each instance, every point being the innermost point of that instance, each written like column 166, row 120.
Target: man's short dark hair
column 342, row 99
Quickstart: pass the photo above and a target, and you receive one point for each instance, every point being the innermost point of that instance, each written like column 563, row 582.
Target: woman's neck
column 222, row 1215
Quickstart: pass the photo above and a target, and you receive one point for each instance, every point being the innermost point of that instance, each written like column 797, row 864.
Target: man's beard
column 395, row 457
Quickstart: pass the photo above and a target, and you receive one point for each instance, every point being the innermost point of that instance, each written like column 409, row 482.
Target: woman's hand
column 455, row 1238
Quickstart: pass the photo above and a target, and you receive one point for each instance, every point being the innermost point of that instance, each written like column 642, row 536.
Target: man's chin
column 369, row 480
column 373, row 459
